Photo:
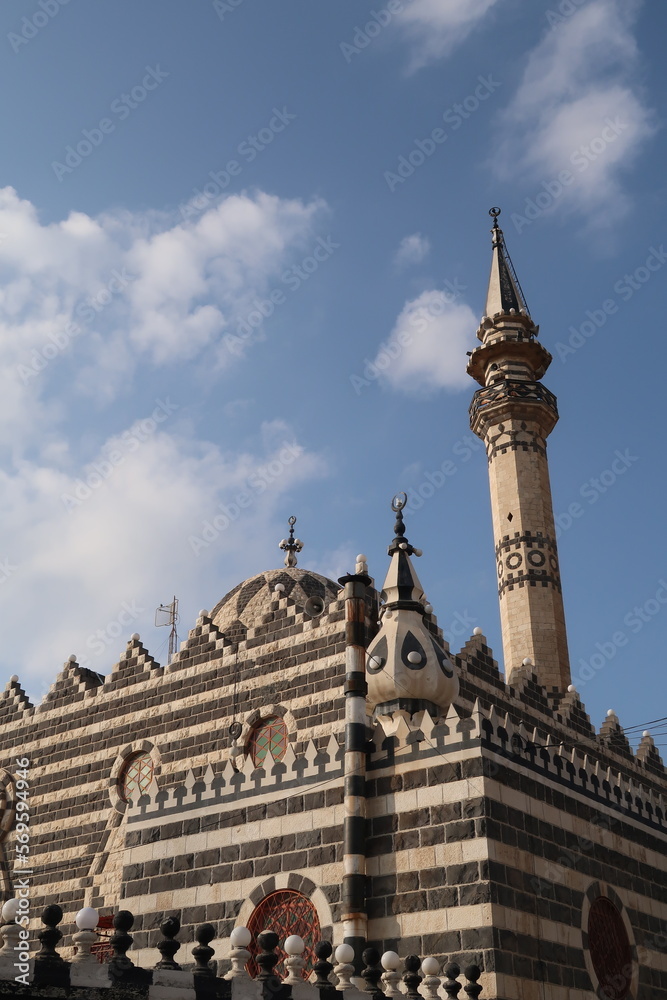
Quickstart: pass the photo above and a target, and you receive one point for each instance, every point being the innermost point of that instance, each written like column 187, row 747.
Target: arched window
column 136, row 776
column 285, row 912
column 610, row 949
column 268, row 737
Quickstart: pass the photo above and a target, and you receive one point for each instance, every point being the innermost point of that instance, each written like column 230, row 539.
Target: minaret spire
column 513, row 413
column 504, row 291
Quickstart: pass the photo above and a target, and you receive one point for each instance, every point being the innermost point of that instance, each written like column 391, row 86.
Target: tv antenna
column 167, row 614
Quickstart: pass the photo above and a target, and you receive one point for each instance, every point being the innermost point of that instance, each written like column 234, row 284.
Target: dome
column 250, row 600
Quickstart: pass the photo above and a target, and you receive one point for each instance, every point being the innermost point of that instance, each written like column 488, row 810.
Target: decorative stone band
column 527, row 560
column 504, row 439
column 509, row 397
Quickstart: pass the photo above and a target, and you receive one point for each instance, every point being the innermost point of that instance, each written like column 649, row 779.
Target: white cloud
column 426, row 349
column 119, row 532
column 85, row 537
column 436, row 27
column 129, row 288
column 576, row 110
column 412, row 250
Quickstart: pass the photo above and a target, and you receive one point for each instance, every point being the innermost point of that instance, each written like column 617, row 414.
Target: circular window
column 610, row 949
column 269, row 735
column 136, row 776
column 285, row 912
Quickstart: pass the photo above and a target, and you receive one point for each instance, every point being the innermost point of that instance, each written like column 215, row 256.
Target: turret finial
column 400, row 541
column 291, row 545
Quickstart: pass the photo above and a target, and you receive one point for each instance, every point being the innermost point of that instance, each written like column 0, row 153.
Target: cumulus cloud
column 435, row 28
column 108, row 510
column 412, row 250
column 426, row 349
column 90, row 553
column 129, row 288
column 577, row 110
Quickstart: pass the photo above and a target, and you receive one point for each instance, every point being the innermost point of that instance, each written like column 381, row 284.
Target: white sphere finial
column 294, row 945
column 646, row 733
column 135, row 637
column 477, row 631
column 72, row 658
column 87, row 919
column 527, row 661
column 571, row 689
column 610, row 713
column 10, row 910
column 203, row 613
column 240, row 937
column 390, row 961
column 344, row 954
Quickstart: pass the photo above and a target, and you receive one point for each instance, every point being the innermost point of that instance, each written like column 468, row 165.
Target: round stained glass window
column 269, row 737
column 610, row 949
column 136, row 776
column 285, row 912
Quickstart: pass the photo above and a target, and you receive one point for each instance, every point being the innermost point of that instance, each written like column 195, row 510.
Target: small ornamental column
column 355, row 920
column 50, row 968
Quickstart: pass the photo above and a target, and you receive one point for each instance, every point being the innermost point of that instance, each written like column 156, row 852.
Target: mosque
column 317, row 760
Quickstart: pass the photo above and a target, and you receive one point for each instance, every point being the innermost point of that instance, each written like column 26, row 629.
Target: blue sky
column 244, row 248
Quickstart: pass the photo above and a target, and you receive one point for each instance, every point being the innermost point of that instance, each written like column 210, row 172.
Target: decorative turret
column 407, row 667
column 513, row 413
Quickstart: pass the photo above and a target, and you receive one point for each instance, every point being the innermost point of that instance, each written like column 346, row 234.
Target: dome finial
column 291, row 545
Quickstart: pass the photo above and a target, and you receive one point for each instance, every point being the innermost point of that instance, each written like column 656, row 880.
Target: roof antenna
column 167, row 614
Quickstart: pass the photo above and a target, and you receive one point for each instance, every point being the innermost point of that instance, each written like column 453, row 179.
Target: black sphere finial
column 169, row 946
column 202, row 952
column 472, row 987
column 267, row 959
column 372, row 973
column 452, row 987
column 323, row 967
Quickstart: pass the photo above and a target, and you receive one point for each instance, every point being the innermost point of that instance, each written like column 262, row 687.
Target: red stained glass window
column 285, row 912
column 136, row 776
column 611, row 953
column 269, row 735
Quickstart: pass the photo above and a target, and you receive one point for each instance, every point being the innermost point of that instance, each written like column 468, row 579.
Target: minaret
column 513, row 414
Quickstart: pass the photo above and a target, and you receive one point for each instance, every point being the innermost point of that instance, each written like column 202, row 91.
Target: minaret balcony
column 513, row 398
column 505, row 346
